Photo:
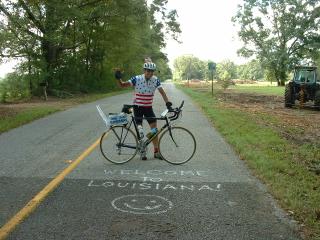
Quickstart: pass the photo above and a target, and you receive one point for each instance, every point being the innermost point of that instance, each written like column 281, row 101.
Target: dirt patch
column 299, row 125
column 7, row 112
column 11, row 109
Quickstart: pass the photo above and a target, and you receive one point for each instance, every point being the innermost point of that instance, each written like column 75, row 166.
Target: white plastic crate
column 118, row 119
column 113, row 119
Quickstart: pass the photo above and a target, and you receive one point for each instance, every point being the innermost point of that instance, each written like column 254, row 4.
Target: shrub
column 14, row 87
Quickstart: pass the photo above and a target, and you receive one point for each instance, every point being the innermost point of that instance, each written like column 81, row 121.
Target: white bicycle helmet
column 150, row 66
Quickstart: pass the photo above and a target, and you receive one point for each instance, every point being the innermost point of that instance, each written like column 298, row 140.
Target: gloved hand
column 118, row 75
column 169, row 105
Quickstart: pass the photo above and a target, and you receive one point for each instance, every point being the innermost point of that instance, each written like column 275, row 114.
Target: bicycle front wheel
column 177, row 147
column 119, row 144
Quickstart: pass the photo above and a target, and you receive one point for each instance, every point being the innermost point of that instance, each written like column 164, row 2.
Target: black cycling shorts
column 147, row 112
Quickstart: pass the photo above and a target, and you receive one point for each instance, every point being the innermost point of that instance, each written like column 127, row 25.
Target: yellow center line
column 6, row 229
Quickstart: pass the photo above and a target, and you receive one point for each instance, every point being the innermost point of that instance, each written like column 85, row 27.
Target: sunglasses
column 148, row 70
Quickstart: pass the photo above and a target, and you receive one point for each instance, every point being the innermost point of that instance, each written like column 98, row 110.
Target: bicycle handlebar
column 176, row 111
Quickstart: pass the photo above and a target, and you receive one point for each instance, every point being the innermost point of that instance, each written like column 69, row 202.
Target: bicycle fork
column 170, row 133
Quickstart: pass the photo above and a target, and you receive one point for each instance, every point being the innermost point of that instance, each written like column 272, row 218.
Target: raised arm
column 118, row 76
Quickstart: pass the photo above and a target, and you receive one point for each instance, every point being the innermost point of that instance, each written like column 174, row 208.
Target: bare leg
column 155, row 141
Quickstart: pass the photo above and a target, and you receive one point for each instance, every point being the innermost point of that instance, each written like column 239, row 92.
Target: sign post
column 212, row 69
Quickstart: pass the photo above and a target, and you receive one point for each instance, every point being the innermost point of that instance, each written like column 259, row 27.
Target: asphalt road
column 213, row 196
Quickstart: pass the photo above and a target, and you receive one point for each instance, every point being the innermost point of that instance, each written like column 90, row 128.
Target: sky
column 207, row 31
column 6, row 68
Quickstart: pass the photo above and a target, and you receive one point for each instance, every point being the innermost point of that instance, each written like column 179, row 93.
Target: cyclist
column 144, row 87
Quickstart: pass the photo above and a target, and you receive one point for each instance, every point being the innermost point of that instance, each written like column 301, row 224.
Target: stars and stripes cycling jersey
column 144, row 89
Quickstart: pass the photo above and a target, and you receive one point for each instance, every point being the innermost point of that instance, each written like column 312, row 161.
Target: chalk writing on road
column 151, row 180
column 157, row 173
column 153, row 186
column 142, row 204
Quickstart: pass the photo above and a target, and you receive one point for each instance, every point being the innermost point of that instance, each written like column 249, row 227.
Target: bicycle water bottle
column 152, row 133
column 140, row 130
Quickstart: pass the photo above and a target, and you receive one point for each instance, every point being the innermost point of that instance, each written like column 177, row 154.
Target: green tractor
column 304, row 87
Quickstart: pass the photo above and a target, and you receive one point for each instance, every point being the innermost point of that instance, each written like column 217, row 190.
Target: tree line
column 74, row 45
column 188, row 67
column 277, row 34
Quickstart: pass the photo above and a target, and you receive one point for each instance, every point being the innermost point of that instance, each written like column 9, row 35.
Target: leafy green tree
column 226, row 70
column 251, row 70
column 189, row 67
column 74, row 45
column 279, row 33
column 164, row 71
column 50, row 26
column 13, row 87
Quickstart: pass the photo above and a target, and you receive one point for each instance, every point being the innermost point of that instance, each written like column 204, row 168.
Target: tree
column 164, row 71
column 279, row 33
column 226, row 70
column 74, row 44
column 50, row 26
column 189, row 67
column 251, row 70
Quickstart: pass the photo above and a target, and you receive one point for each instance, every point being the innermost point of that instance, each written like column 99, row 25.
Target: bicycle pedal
column 143, row 155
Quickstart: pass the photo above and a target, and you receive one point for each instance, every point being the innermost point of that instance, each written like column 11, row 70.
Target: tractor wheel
column 317, row 99
column 288, row 96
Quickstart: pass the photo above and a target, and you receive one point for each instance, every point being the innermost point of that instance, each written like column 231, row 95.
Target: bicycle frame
column 122, row 141
column 148, row 141
column 142, row 145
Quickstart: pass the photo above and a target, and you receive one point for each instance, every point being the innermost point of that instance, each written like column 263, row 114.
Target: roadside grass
column 25, row 116
column 279, row 163
column 260, row 88
column 266, row 90
column 28, row 114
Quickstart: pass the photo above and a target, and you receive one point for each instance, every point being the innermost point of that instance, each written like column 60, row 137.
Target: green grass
column 24, row 117
column 32, row 113
column 266, row 90
column 277, row 162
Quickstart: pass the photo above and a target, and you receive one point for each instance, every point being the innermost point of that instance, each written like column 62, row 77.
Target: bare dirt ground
column 11, row 109
column 299, row 124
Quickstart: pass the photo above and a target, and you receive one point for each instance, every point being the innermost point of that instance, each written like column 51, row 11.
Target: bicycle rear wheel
column 179, row 147
column 118, row 144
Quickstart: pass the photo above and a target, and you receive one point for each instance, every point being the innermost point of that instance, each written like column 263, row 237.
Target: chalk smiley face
column 142, row 204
